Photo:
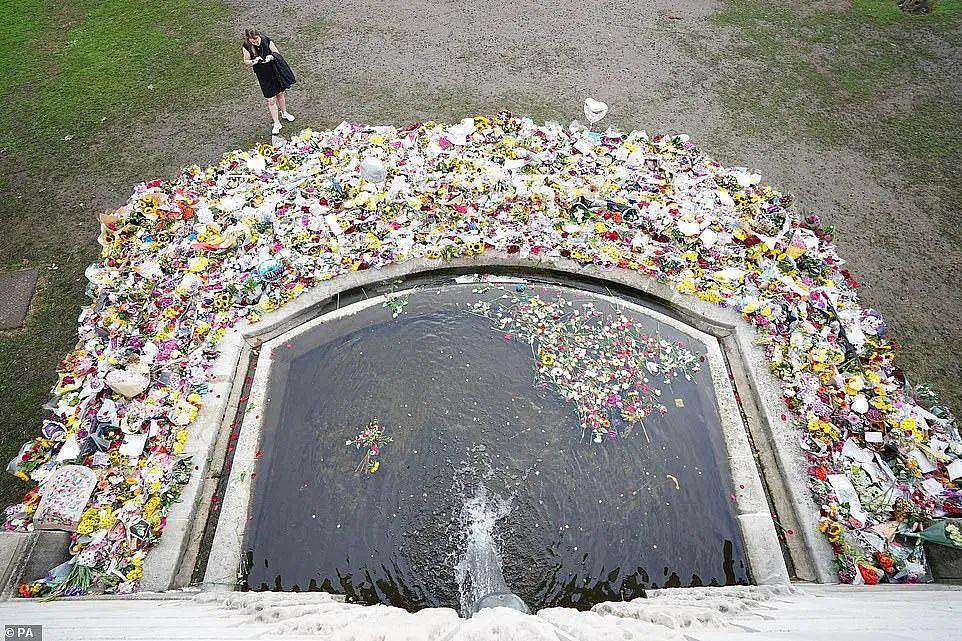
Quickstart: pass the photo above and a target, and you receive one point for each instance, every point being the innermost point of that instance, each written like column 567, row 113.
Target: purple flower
column 821, row 410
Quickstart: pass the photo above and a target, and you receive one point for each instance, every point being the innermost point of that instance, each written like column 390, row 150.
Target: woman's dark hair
column 251, row 33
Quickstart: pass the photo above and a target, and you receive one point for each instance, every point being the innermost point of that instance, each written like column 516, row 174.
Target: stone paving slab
column 735, row 613
column 16, row 290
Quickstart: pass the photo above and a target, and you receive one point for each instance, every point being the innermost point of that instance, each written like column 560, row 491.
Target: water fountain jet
column 479, row 572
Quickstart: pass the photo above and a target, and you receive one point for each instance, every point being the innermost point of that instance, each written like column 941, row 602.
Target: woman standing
column 273, row 74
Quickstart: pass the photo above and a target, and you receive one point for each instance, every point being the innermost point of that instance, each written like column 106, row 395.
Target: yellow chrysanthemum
column 686, row 286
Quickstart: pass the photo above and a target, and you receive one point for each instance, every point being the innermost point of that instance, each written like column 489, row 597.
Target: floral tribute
column 600, row 363
column 183, row 261
column 370, row 439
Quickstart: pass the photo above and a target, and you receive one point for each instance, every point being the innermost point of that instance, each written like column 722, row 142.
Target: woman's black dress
column 273, row 77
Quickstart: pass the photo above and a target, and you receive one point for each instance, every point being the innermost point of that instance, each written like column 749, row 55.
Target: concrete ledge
column 698, row 313
column 187, row 519
column 28, row 556
column 777, row 442
column 227, row 547
column 735, row 613
column 15, row 550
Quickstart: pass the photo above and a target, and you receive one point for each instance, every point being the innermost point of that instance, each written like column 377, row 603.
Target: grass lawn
column 858, row 76
column 69, row 67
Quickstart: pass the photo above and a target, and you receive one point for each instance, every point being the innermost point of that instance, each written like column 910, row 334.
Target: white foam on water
column 479, row 572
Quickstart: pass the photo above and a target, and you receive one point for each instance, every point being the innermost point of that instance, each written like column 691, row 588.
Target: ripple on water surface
column 466, row 407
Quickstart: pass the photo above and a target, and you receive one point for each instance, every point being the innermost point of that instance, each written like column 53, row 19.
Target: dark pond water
column 578, row 522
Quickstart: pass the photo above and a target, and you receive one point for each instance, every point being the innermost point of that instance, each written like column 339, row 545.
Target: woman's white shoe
column 288, row 117
column 276, row 129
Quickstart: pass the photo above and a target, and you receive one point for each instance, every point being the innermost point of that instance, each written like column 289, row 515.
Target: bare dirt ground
column 831, row 135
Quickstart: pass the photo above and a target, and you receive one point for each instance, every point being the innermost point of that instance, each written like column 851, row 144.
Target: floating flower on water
column 396, row 303
column 370, row 438
column 589, row 357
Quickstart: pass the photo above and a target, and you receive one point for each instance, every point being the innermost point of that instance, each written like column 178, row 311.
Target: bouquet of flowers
column 370, row 439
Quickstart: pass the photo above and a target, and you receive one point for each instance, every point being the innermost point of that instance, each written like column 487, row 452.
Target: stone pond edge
column 171, row 562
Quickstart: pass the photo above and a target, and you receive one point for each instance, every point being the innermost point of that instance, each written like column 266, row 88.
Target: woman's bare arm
column 247, row 58
column 274, row 47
